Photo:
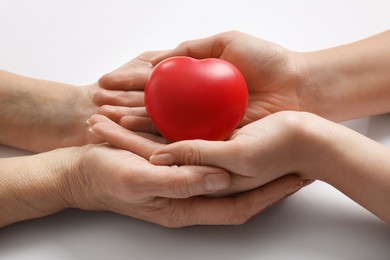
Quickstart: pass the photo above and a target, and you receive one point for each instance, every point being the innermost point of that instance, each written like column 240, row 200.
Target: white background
column 77, row 41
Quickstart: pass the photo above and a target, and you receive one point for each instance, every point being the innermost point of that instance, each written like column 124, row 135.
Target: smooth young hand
column 283, row 143
column 341, row 83
column 127, row 140
column 271, row 72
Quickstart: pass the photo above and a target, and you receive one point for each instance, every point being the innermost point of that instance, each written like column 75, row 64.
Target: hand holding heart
column 278, row 79
column 255, row 155
column 121, row 96
column 206, row 99
column 273, row 74
column 271, row 87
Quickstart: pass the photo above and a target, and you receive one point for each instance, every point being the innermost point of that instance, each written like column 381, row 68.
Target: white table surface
column 76, row 41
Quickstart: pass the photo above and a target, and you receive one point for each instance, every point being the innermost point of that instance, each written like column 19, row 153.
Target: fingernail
column 216, row 182
column 91, row 130
column 162, row 159
column 295, row 187
column 306, row 182
column 155, row 60
column 88, row 122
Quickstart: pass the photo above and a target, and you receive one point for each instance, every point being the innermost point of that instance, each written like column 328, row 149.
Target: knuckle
column 105, row 110
column 130, row 78
column 184, row 45
column 239, row 218
column 172, row 217
column 129, row 122
column 192, row 155
column 129, row 183
column 105, row 80
column 268, row 199
column 180, row 188
column 243, row 211
column 186, row 48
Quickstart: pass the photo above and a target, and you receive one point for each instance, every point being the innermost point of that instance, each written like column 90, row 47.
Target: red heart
column 195, row 99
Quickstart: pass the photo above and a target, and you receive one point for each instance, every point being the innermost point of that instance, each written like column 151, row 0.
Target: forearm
column 40, row 115
column 35, row 186
column 350, row 81
column 356, row 165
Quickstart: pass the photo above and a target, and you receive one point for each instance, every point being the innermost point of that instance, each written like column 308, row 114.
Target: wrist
column 349, row 81
column 352, row 163
column 314, row 140
column 83, row 187
column 327, row 85
column 33, row 108
column 57, row 178
column 298, row 139
column 35, row 186
column 324, row 145
column 317, row 88
column 80, row 188
column 79, row 108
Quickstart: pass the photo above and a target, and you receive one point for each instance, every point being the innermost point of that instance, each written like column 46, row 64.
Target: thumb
column 193, row 152
column 210, row 47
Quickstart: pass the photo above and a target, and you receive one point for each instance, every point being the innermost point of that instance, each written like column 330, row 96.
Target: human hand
column 297, row 143
column 72, row 120
column 221, row 154
column 69, row 107
column 40, row 115
column 100, row 177
column 255, row 154
column 340, row 83
column 121, row 96
column 273, row 74
column 120, row 181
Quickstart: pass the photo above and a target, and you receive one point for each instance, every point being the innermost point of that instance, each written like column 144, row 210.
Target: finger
column 138, row 124
column 116, row 113
column 152, row 137
column 210, row 47
column 122, row 138
column 145, row 57
column 232, row 210
column 94, row 119
column 183, row 181
column 126, row 79
column 307, row 182
column 194, row 152
column 119, row 98
column 132, row 75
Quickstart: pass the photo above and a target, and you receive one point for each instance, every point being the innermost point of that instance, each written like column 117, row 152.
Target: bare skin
column 341, row 83
column 74, row 171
